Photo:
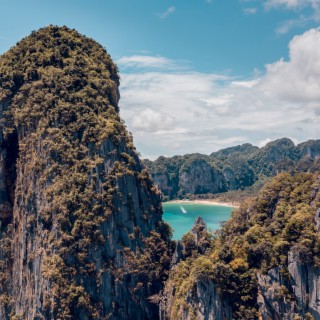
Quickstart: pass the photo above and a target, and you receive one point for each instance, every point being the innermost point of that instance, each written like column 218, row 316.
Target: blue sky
column 217, row 36
column 197, row 75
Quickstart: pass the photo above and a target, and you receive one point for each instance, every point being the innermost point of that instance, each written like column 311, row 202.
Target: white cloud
column 287, row 25
column 218, row 100
column 181, row 112
column 264, row 142
column 245, row 84
column 301, row 7
column 250, row 10
column 168, row 12
column 294, row 140
column 291, row 4
column 297, row 80
column 151, row 120
column 144, row 61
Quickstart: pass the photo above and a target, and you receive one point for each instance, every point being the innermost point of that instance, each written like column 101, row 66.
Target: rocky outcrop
column 197, row 298
column 196, row 239
column 8, row 155
column 230, row 178
column 202, row 302
column 163, row 182
column 283, row 297
column 79, row 216
column 310, row 149
column 273, row 299
column 199, row 177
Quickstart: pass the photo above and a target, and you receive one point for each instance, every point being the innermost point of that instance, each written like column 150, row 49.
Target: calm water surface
column 181, row 216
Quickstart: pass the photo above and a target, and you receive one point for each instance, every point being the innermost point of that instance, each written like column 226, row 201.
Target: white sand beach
column 208, row 202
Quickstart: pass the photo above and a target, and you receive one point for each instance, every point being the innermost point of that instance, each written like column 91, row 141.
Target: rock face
column 199, row 177
column 271, row 297
column 310, row 149
column 286, row 298
column 79, row 216
column 203, row 302
column 163, row 182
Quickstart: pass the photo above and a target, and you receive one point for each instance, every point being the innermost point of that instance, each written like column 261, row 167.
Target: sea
column 181, row 216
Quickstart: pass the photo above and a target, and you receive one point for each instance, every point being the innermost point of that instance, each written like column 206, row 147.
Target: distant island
column 231, row 174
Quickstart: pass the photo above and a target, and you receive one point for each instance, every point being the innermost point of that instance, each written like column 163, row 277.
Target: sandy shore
column 208, row 201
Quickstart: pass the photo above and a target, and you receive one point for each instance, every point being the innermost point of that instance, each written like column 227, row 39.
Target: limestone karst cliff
column 81, row 233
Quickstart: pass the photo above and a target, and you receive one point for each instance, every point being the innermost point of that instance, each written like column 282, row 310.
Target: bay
column 181, row 216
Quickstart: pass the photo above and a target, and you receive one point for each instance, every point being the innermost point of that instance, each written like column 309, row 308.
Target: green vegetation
column 256, row 239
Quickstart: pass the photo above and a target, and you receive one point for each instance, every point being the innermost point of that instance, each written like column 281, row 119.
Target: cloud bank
column 176, row 112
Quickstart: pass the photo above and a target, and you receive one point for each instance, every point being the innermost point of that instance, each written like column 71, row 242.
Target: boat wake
column 183, row 210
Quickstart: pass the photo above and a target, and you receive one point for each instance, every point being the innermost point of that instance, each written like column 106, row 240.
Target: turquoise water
column 181, row 216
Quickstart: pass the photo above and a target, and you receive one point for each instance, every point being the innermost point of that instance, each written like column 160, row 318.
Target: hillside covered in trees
column 264, row 263
column 234, row 168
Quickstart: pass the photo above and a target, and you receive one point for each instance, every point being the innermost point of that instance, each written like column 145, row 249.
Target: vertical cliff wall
column 81, row 230
column 296, row 295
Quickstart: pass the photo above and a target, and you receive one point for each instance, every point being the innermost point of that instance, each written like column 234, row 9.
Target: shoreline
column 208, row 202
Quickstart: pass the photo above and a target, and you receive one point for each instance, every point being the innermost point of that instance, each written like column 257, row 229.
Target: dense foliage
column 257, row 238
